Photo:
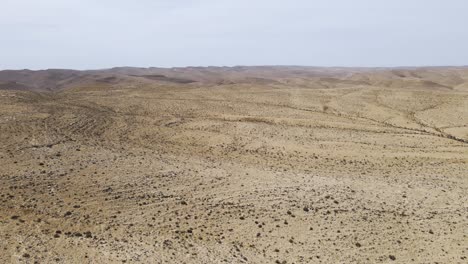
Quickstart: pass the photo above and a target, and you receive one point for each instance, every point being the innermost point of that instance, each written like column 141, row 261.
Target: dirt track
column 236, row 173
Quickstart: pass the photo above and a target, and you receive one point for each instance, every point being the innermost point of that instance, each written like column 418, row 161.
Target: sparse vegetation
column 229, row 168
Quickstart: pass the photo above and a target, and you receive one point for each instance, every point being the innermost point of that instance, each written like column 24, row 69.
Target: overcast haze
column 89, row 34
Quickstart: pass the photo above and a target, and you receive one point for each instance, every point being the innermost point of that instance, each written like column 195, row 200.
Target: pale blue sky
column 90, row 34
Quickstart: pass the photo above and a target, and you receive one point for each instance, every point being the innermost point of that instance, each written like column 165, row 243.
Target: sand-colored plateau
column 234, row 165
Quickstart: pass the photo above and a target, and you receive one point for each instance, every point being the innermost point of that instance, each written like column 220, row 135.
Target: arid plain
column 234, row 165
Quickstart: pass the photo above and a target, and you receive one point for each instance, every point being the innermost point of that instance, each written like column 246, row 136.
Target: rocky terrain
column 234, row 165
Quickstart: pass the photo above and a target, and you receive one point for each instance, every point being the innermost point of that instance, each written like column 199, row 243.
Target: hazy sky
column 88, row 34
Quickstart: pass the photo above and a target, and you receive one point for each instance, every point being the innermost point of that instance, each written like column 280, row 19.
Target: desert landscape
column 267, row 164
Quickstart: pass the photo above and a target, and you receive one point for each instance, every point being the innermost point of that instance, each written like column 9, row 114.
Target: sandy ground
column 236, row 173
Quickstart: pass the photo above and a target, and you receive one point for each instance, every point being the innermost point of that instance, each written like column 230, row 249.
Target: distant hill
column 308, row 77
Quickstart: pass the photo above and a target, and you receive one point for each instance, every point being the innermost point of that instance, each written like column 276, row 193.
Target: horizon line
column 241, row 66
